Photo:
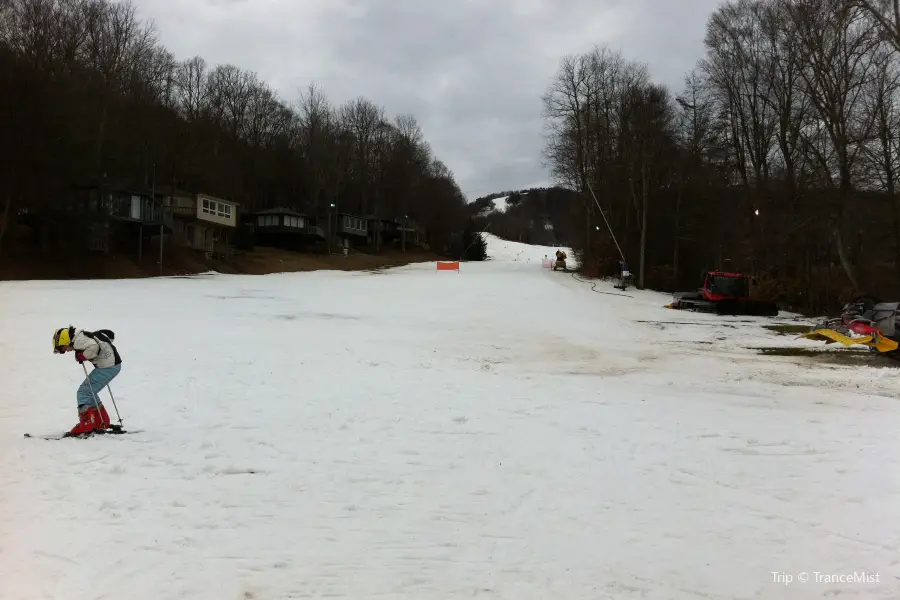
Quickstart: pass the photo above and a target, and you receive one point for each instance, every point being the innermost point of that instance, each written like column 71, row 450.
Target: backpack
column 108, row 333
column 105, row 335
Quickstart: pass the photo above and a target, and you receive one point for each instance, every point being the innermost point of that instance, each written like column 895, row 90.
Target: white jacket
column 101, row 354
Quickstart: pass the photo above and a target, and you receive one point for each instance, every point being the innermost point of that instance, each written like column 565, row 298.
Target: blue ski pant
column 98, row 379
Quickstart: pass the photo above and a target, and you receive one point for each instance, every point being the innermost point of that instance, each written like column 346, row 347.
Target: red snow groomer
column 724, row 294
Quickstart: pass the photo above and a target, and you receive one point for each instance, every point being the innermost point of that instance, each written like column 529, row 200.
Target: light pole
column 162, row 218
column 403, row 232
column 330, row 236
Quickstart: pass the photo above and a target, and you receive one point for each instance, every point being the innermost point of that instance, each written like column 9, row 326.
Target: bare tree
column 836, row 45
column 647, row 134
column 317, row 125
column 788, row 103
column 565, row 151
column 886, row 13
column 696, row 135
column 880, row 156
column 192, row 95
column 739, row 67
column 362, row 120
column 231, row 90
column 608, row 127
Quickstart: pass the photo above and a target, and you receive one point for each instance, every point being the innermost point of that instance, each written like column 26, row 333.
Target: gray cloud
column 472, row 72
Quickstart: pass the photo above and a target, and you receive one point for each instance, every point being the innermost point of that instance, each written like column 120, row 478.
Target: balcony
column 128, row 208
column 183, row 211
column 314, row 231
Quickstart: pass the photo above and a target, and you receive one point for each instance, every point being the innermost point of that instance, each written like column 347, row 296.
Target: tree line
column 779, row 156
column 91, row 97
column 541, row 216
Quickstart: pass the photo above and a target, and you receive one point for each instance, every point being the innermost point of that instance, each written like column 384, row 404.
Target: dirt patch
column 785, row 329
column 269, row 260
column 182, row 261
column 851, row 357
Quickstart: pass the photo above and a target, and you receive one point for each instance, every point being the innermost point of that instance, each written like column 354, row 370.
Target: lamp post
column 162, row 218
column 330, row 235
column 403, row 232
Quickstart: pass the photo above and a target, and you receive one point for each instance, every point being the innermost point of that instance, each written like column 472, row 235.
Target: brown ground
column 260, row 261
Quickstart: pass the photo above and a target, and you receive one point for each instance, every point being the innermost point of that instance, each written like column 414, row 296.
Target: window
column 294, row 222
column 354, row 223
column 217, row 209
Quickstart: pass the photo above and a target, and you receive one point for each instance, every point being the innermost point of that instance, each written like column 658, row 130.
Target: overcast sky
column 471, row 71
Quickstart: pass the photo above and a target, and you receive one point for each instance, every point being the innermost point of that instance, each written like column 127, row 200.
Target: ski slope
column 517, row 252
column 501, row 432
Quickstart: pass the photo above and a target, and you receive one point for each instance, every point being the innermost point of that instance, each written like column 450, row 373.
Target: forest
column 777, row 157
column 91, row 98
column 542, row 216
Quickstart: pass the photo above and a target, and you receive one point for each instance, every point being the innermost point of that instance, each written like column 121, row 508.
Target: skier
column 96, row 347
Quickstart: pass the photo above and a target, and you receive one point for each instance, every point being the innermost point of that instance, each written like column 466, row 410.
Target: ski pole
column 97, row 400
column 111, row 397
column 91, row 385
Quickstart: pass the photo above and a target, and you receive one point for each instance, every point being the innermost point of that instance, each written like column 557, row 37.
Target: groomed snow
column 517, row 252
column 501, row 432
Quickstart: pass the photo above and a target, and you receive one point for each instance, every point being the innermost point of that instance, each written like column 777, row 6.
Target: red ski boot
column 105, row 423
column 89, row 420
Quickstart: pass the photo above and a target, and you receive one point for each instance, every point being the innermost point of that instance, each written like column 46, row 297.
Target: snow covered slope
column 501, row 432
column 506, row 251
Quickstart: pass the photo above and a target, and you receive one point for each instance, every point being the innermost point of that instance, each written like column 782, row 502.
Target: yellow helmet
column 62, row 337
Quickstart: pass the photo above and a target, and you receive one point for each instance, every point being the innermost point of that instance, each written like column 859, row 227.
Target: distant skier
column 96, row 347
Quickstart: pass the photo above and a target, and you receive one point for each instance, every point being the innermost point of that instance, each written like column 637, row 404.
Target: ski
column 51, row 436
column 113, row 430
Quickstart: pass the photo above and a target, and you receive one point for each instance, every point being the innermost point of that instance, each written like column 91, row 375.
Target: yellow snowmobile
column 864, row 322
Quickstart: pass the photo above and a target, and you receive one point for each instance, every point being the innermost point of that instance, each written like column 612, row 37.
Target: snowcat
column 723, row 294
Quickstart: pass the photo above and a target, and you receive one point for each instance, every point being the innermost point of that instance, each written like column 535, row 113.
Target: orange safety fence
column 448, row 266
